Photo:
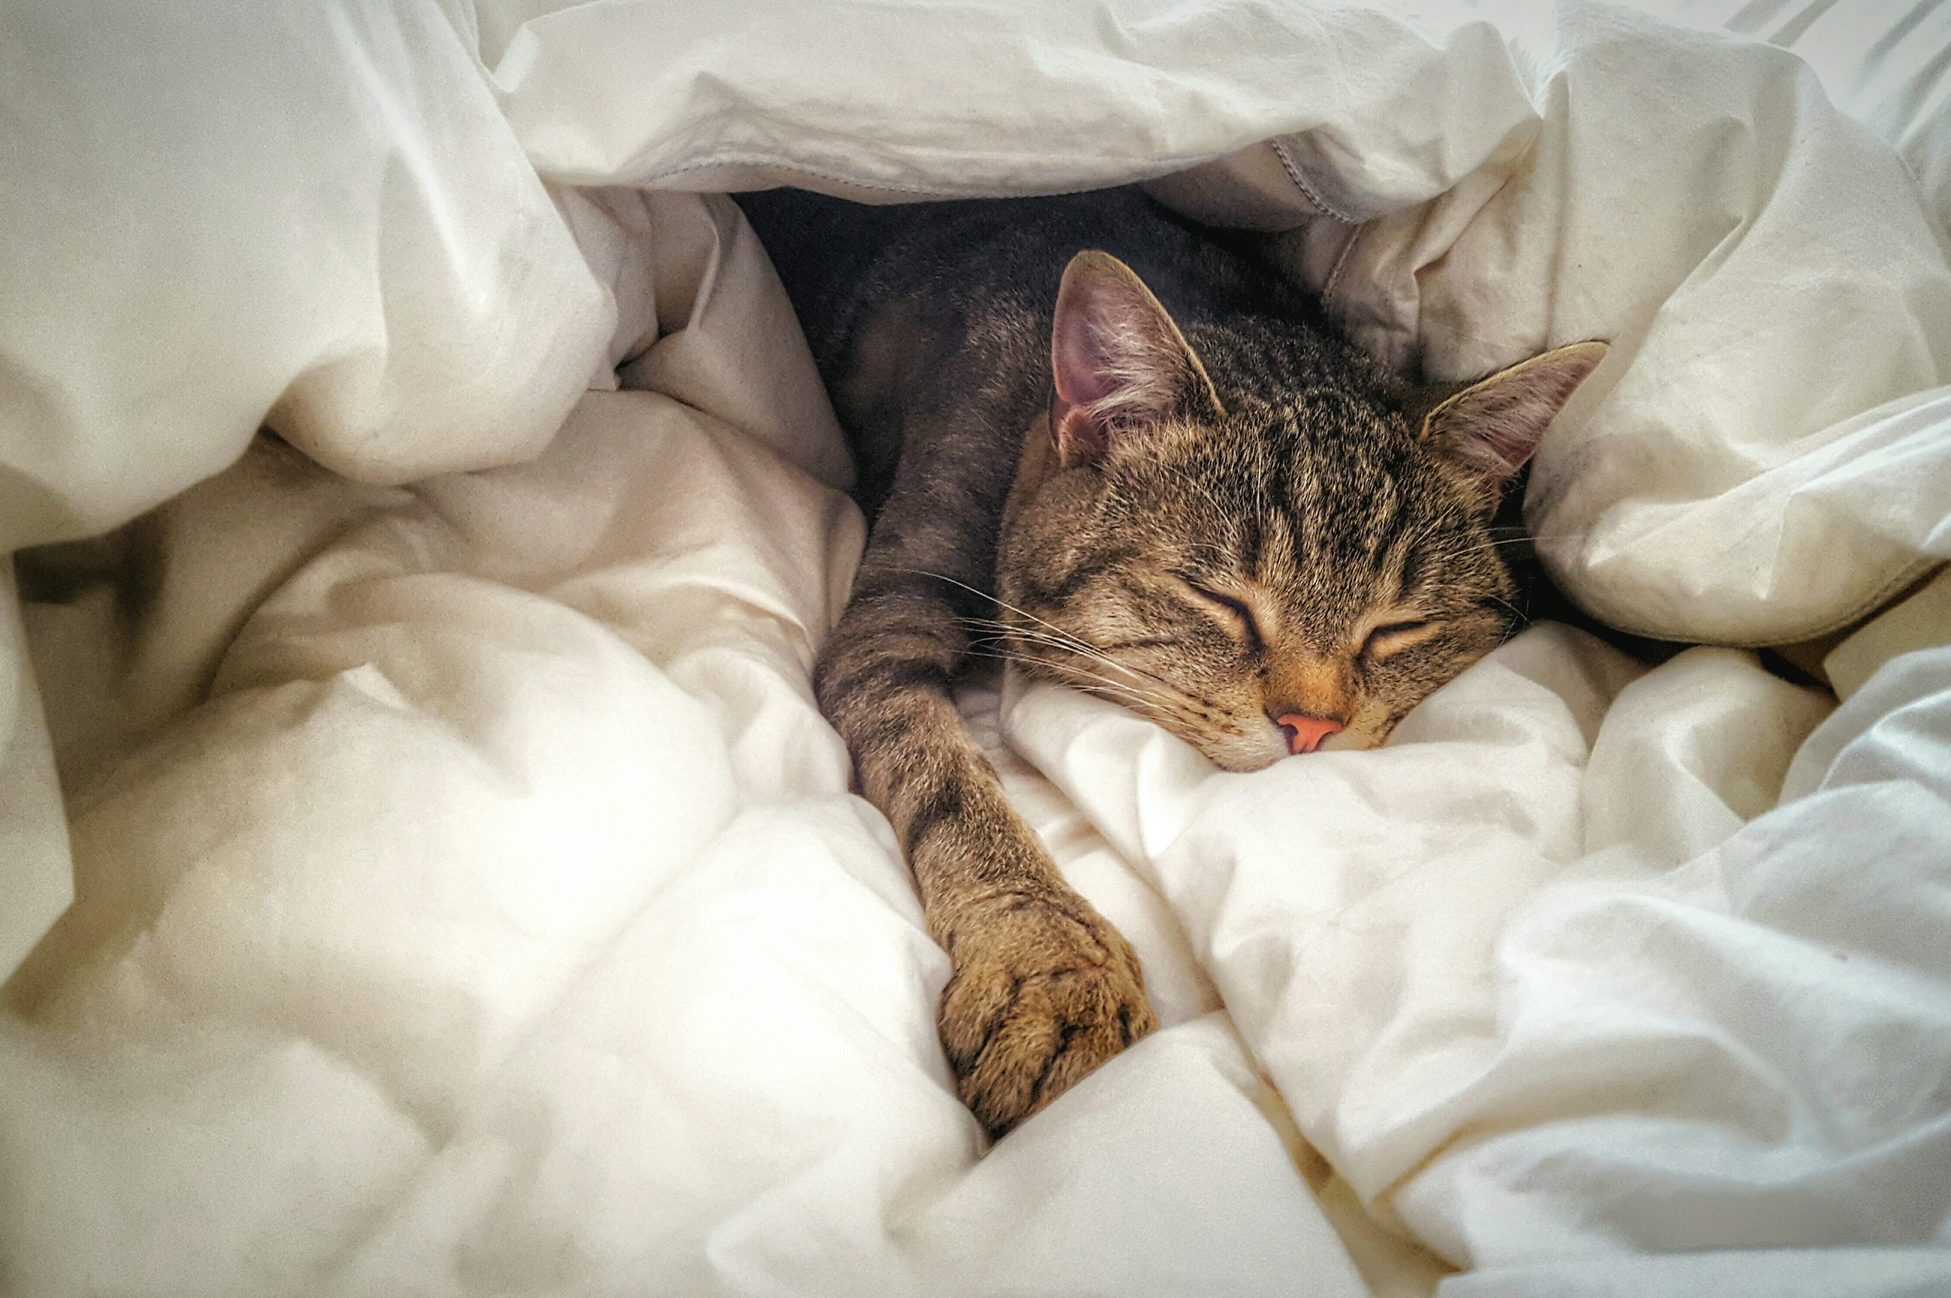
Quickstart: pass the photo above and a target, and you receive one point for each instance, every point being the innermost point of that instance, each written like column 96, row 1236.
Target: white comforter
column 469, row 895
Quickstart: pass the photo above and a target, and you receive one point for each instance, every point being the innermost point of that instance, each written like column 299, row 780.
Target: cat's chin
column 1241, row 756
column 1240, row 759
column 1235, row 767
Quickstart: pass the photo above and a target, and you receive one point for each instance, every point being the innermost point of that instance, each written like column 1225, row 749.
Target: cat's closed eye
column 1393, row 637
column 1236, row 610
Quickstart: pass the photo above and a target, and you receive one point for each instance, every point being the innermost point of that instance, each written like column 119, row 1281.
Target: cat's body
column 978, row 280
column 1216, row 511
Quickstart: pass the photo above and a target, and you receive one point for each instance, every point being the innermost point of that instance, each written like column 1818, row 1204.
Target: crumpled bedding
column 469, row 897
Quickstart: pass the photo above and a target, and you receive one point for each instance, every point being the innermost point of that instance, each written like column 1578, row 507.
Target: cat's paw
column 1043, row 991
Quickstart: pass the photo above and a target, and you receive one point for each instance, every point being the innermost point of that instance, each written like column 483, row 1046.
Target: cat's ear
column 1491, row 427
column 1118, row 360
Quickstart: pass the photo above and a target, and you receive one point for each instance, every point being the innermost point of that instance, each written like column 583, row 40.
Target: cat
column 1222, row 515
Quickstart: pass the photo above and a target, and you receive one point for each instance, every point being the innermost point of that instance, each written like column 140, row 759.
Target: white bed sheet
column 504, row 922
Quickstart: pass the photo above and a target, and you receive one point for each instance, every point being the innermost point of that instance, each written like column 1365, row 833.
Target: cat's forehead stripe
column 1385, row 513
column 1280, row 549
column 1253, row 525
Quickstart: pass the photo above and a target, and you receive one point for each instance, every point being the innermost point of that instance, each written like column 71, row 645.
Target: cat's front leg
column 1042, row 988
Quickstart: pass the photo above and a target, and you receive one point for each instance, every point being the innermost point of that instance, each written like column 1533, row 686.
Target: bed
column 423, row 869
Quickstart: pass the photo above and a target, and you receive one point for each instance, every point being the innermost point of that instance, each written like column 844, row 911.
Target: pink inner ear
column 1083, row 365
column 1116, row 360
column 1493, row 429
column 1082, row 376
column 1499, row 434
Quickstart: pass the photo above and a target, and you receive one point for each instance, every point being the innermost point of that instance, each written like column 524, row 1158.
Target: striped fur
column 1287, row 534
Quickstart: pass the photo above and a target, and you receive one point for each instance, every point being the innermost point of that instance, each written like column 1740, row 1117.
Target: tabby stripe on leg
column 936, row 807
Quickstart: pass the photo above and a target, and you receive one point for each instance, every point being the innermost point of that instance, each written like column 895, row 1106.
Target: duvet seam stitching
column 1308, row 191
column 1333, row 283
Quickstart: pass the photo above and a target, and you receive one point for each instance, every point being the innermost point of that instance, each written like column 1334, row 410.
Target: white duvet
column 469, row 898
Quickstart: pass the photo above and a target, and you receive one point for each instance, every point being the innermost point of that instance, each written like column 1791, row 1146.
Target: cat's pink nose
column 1306, row 732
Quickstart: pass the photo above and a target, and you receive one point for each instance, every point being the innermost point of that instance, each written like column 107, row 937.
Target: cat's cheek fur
column 1369, row 728
column 1049, row 520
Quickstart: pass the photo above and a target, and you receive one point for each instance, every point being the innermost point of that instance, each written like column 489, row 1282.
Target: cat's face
column 1238, row 574
column 1260, row 573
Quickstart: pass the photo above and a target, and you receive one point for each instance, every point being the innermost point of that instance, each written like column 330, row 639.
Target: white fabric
column 35, row 872
column 1694, row 199
column 469, row 895
column 230, row 214
column 511, row 872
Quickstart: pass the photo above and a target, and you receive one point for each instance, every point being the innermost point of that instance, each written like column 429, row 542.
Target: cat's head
column 1261, row 564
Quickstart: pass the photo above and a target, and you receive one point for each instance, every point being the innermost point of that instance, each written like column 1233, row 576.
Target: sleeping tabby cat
column 1223, row 516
